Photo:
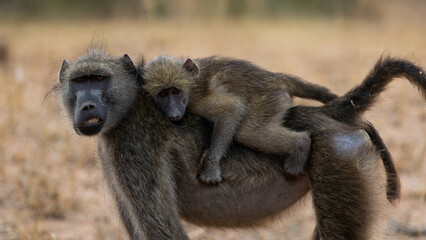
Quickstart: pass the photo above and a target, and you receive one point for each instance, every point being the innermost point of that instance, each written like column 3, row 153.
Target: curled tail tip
column 393, row 197
column 393, row 188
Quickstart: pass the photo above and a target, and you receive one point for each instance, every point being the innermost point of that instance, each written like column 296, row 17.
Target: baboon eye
column 100, row 78
column 79, row 79
column 175, row 91
column 163, row 93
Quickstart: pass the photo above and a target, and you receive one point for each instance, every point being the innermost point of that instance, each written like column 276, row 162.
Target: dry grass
column 50, row 186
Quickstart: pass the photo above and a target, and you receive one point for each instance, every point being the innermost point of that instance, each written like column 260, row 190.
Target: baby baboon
column 150, row 165
column 241, row 99
column 224, row 84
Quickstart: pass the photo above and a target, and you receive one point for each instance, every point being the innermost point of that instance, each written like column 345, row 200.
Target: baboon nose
column 88, row 106
column 175, row 117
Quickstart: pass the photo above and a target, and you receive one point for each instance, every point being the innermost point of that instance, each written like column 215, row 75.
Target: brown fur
column 222, row 83
column 150, row 166
column 242, row 100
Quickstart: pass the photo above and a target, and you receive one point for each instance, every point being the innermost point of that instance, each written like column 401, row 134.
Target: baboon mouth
column 90, row 127
column 92, row 120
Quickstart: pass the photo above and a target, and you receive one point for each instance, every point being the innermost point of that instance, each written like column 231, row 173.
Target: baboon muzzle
column 90, row 116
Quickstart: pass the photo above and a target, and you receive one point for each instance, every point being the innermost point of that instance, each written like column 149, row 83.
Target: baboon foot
column 210, row 172
column 351, row 144
column 296, row 160
column 210, row 175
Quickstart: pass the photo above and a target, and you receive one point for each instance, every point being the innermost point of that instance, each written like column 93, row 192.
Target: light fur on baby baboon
column 241, row 99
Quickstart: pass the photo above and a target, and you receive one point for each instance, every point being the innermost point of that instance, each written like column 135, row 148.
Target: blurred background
column 50, row 182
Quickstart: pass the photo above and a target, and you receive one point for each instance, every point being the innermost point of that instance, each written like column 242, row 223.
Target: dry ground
column 50, row 184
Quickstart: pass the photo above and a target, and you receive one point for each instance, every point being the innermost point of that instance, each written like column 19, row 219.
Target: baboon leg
column 119, row 199
column 125, row 215
column 262, row 130
column 147, row 213
column 152, row 211
column 344, row 182
column 226, row 113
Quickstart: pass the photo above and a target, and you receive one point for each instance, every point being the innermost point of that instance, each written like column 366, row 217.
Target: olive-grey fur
column 244, row 102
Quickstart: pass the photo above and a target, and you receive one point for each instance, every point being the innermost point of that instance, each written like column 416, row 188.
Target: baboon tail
column 393, row 184
column 300, row 88
column 361, row 98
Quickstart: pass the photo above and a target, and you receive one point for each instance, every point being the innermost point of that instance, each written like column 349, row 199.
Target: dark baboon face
column 90, row 110
column 97, row 90
column 172, row 101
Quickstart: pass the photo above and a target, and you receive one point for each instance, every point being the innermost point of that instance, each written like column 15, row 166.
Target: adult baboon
column 150, row 165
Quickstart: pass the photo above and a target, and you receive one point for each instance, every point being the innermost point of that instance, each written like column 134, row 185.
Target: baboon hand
column 210, row 170
column 297, row 159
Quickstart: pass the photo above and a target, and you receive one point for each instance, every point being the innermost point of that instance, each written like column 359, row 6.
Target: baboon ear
column 128, row 64
column 65, row 65
column 190, row 66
